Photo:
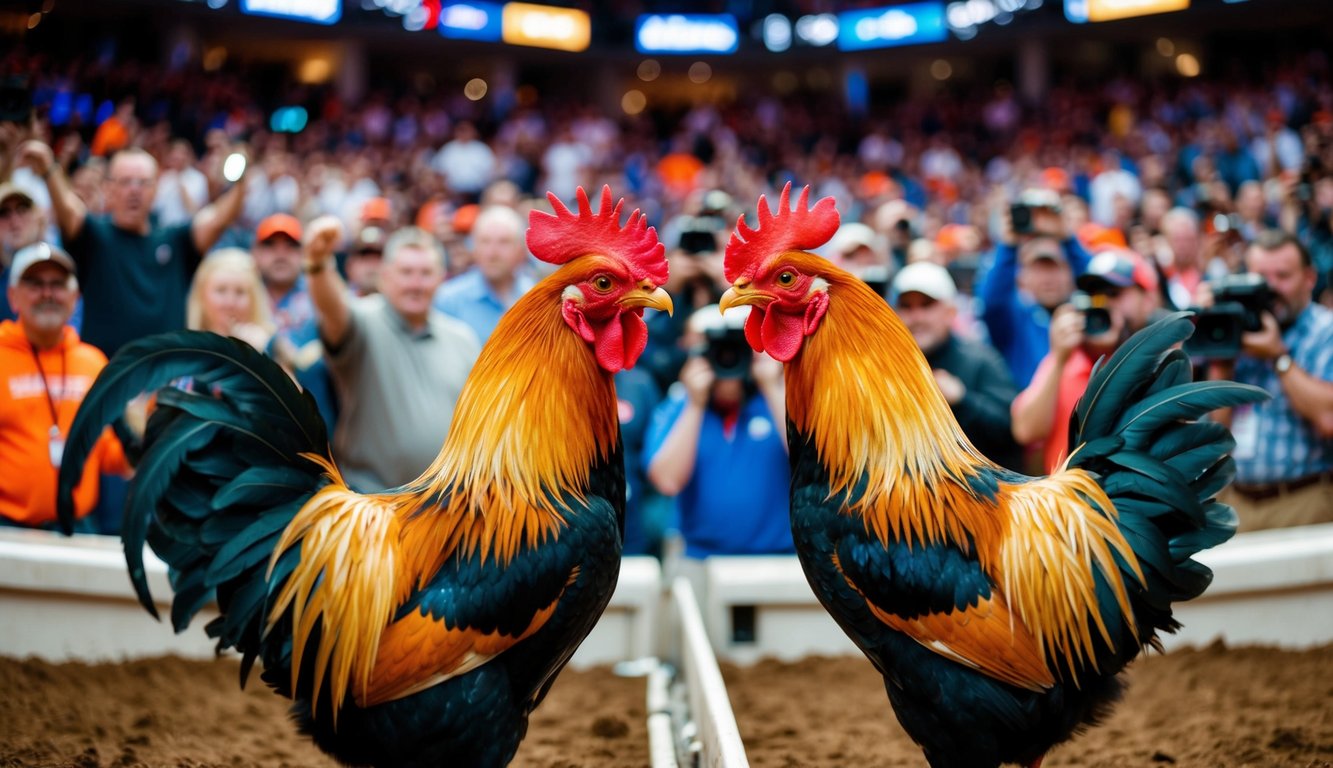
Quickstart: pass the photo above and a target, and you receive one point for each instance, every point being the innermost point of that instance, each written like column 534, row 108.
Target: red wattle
column 782, row 333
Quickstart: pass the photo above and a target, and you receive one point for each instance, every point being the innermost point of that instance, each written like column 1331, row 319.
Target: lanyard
column 64, row 388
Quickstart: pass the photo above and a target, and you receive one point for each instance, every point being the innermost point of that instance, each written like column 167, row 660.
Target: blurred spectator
column 855, row 248
column 972, row 377
column 46, row 372
column 1125, row 285
column 725, row 419
column 466, row 162
column 399, row 366
column 139, row 271
column 1184, row 267
column 227, row 297
column 277, row 253
column 377, row 212
column 294, row 336
column 647, row 512
column 1031, row 274
column 1284, row 446
column 364, row 259
column 498, row 277
column 181, row 189
column 21, row 225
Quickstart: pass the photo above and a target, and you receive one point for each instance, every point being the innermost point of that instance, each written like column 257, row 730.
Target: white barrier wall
column 65, row 598
column 1269, row 588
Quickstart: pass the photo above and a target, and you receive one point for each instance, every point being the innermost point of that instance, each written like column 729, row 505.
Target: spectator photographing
column 1284, row 447
column 1031, row 275
column 1121, row 294
column 726, row 419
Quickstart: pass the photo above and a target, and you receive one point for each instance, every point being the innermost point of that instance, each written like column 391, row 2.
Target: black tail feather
column 220, row 475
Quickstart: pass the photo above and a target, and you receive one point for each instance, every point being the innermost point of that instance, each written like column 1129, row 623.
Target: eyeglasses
column 369, row 252
column 132, row 182
column 38, row 286
column 14, row 210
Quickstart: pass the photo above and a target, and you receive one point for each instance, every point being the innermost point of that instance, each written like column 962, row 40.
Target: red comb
column 801, row 229
column 562, row 236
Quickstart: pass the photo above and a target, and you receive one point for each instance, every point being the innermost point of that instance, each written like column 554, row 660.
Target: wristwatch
column 316, row 268
column 1283, row 363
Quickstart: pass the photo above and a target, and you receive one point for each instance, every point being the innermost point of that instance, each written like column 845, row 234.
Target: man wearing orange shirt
column 45, row 371
column 1122, row 282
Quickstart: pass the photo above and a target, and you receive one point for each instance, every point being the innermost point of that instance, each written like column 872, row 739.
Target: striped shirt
column 1273, row 442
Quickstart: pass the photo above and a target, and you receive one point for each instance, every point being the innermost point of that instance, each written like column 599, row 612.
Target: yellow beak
column 642, row 296
column 740, row 295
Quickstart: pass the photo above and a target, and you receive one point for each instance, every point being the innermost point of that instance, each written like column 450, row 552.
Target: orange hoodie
column 27, row 476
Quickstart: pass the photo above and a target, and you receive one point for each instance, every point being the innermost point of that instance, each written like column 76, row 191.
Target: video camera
column 1096, row 316
column 1020, row 213
column 728, row 352
column 698, row 234
column 1239, row 302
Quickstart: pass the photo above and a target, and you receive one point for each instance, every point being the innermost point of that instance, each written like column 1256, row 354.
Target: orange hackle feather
column 787, row 230
column 536, row 415
column 864, row 394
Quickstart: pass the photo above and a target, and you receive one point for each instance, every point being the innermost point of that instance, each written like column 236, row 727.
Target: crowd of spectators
column 1013, row 202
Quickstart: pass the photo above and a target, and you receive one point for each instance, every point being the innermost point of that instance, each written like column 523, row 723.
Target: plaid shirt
column 1273, row 442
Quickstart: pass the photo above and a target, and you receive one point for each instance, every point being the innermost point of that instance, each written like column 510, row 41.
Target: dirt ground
column 1210, row 708
column 1215, row 707
column 175, row 713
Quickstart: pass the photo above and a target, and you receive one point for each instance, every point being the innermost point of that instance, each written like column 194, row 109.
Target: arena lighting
column 472, row 21
column 776, row 32
column 965, row 17
column 1080, row 11
column 544, row 26
column 819, row 29
column 909, row 24
column 313, row 11
column 686, row 33
column 288, row 120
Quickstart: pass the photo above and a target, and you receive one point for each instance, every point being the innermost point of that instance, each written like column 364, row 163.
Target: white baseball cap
column 34, row 254
column 925, row 277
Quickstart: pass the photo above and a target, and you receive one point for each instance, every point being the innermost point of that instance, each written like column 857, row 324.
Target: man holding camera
column 725, row 418
column 1120, row 299
column 1284, row 447
column 1032, row 273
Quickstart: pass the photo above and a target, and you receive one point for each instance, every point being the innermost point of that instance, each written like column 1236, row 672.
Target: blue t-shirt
column 737, row 501
column 469, row 298
column 636, row 397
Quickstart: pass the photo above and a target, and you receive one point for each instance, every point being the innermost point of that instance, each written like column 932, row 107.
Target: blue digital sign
column 910, row 24
column 687, row 33
column 472, row 21
column 314, row 11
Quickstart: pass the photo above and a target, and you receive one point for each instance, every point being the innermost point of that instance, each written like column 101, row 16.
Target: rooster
column 419, row 626
column 999, row 608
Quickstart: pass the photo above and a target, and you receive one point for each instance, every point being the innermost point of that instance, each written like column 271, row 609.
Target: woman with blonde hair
column 227, row 297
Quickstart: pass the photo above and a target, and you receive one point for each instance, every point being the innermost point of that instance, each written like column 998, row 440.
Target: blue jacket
column 1018, row 326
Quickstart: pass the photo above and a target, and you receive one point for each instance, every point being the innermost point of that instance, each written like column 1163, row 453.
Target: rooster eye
column 602, row 283
column 786, row 278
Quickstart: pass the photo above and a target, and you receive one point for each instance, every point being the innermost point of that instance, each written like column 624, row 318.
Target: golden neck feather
column 536, row 415
column 862, row 391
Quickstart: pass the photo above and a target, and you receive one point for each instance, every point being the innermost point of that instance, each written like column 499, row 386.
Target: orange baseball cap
column 465, row 217
column 376, row 209
column 278, row 224
column 1096, row 237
